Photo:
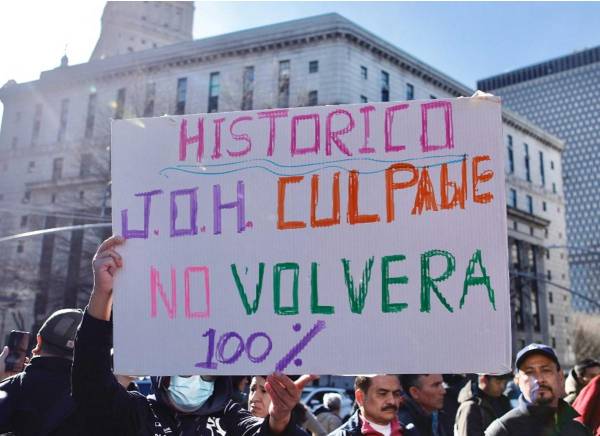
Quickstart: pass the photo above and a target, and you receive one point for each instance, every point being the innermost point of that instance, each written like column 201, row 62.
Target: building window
column 313, row 98
column 363, row 99
column 213, row 92
column 248, row 88
column 512, row 197
column 553, row 342
column 550, row 297
column 120, row 104
column 530, row 204
column 385, row 86
column 313, row 67
column 511, row 155
column 53, row 199
column 544, row 206
column 85, row 168
column 91, row 115
column 150, row 97
column 81, row 195
column 283, row 98
column 553, row 187
column 31, row 166
column 24, row 220
column 551, row 164
column 527, row 169
column 551, row 319
column 410, row 91
column 20, row 246
column 516, row 282
column 542, row 173
column 432, row 97
column 26, row 196
column 181, row 96
column 364, row 72
column 37, row 122
column 549, row 275
column 57, row 168
column 14, row 143
column 64, row 113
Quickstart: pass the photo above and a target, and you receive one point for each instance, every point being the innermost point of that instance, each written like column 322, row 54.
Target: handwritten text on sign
column 338, row 239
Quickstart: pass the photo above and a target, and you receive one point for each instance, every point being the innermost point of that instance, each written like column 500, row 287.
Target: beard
column 545, row 400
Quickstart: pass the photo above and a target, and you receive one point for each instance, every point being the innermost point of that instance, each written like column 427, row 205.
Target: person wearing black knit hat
column 38, row 400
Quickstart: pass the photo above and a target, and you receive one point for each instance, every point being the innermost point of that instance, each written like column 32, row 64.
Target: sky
column 465, row 40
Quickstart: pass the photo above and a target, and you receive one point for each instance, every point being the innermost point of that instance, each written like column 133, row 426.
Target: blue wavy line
column 351, row 159
column 203, row 173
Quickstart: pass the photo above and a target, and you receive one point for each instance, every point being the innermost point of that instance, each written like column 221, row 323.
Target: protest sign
column 347, row 239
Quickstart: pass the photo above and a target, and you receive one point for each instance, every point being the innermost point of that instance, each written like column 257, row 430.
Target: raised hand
column 285, row 394
column 106, row 262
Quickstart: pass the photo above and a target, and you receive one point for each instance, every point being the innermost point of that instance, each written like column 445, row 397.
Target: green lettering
column 386, row 281
column 476, row 281
column 357, row 302
column 277, row 270
column 314, row 293
column 428, row 283
column 238, row 283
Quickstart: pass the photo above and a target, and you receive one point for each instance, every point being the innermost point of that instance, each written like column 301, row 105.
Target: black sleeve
column 94, row 386
column 8, row 391
column 240, row 422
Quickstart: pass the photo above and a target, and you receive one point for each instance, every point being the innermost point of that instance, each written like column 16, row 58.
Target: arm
column 240, row 422
column 496, row 428
column 7, row 402
column 94, row 386
column 285, row 394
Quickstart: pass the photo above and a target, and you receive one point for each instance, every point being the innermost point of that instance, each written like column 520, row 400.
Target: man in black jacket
column 422, row 413
column 38, row 400
column 481, row 404
column 184, row 406
column 378, row 398
column 541, row 411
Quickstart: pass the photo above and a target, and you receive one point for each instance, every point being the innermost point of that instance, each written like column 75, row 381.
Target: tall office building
column 562, row 96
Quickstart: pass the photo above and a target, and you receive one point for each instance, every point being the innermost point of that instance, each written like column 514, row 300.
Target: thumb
column 304, row 380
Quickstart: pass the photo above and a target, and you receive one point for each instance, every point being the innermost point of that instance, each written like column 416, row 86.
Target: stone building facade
column 55, row 135
column 562, row 96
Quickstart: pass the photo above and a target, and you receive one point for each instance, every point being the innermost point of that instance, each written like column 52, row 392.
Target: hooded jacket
column 588, row 405
column 38, row 400
column 111, row 410
column 572, row 386
column 477, row 410
column 418, row 423
column 533, row 420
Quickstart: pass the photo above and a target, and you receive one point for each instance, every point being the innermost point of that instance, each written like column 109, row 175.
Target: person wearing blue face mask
column 182, row 405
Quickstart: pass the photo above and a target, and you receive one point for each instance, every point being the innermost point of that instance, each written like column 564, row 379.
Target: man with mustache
column 422, row 413
column 378, row 398
column 541, row 411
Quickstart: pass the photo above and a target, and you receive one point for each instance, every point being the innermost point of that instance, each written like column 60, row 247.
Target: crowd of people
column 68, row 388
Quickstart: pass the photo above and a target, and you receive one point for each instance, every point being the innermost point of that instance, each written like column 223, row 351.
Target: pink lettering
column 389, row 121
column 317, row 140
column 272, row 116
column 185, row 140
column 446, row 106
column 240, row 137
column 156, row 287
column 333, row 135
column 188, row 305
column 217, row 150
column 366, row 110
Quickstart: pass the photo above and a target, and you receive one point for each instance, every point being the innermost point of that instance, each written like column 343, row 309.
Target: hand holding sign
column 106, row 262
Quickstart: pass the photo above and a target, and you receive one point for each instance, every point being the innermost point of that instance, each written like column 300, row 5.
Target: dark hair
column 581, row 367
column 362, row 382
column 409, row 380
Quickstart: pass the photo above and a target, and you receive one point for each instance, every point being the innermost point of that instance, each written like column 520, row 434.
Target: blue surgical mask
column 189, row 394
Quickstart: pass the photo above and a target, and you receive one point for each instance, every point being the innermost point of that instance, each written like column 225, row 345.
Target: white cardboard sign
column 350, row 239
